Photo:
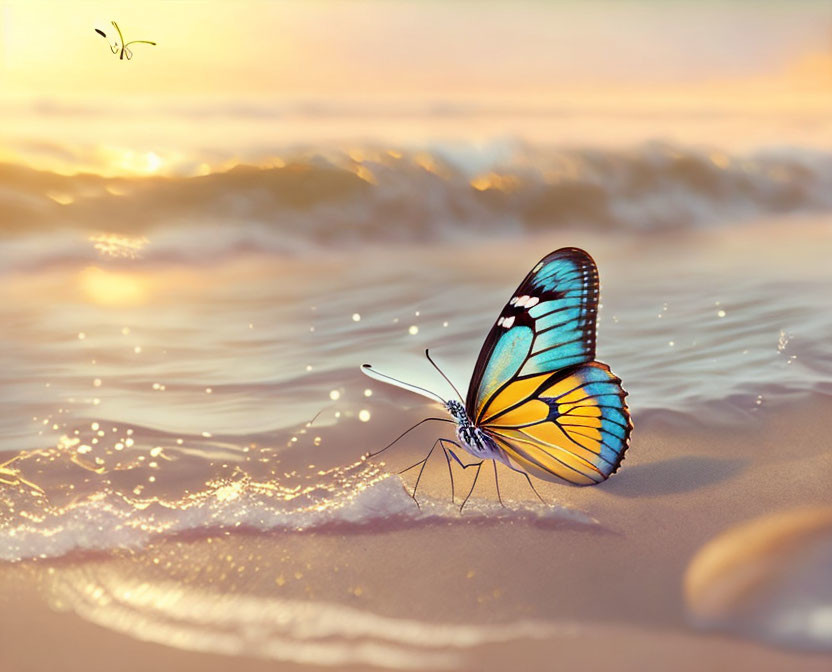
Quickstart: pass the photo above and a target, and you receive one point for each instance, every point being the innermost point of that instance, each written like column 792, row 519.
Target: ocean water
column 168, row 342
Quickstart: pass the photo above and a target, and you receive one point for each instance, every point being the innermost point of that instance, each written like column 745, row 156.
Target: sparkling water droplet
column 782, row 341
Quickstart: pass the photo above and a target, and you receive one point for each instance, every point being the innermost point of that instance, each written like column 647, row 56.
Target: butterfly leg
column 450, row 452
column 424, row 463
column 442, row 443
column 478, row 465
column 458, row 461
column 453, row 455
column 403, row 434
column 497, row 482
column 529, row 481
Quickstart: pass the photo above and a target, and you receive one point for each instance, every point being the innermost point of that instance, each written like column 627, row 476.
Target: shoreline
column 677, row 490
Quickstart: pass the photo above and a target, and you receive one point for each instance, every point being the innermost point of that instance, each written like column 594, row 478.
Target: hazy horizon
column 233, row 82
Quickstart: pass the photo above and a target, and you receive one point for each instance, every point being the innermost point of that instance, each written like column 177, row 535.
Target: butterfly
column 538, row 401
column 125, row 52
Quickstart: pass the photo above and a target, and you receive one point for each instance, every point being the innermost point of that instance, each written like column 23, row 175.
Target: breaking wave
column 311, row 199
column 354, row 497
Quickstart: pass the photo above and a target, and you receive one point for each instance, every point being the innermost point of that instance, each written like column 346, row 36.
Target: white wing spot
column 513, row 301
column 533, row 301
column 507, row 321
column 522, row 300
column 537, row 268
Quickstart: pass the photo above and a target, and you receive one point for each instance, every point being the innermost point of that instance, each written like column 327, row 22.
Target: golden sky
column 385, row 47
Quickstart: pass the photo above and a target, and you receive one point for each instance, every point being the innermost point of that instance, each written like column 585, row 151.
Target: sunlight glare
column 109, row 288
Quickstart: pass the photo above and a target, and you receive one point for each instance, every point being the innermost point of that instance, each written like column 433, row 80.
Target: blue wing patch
column 558, row 303
column 507, row 357
column 565, row 323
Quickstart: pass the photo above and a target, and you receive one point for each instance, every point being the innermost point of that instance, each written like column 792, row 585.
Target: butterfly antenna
column 403, row 384
column 442, row 373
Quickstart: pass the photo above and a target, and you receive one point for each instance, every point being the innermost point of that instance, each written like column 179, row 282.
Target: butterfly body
column 538, row 400
column 473, row 439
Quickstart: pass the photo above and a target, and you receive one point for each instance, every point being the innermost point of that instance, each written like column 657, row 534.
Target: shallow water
column 165, row 363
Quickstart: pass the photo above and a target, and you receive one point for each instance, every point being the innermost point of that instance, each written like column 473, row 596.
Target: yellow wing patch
column 511, row 395
column 577, row 428
column 526, row 413
column 534, row 458
column 552, row 436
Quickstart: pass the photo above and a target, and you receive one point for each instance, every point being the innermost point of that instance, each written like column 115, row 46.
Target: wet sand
column 574, row 591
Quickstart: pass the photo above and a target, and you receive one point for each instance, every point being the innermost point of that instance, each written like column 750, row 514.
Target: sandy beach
column 466, row 593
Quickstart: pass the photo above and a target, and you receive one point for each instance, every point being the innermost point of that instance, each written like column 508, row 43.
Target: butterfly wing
column 575, row 425
column 536, row 388
column 547, row 325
